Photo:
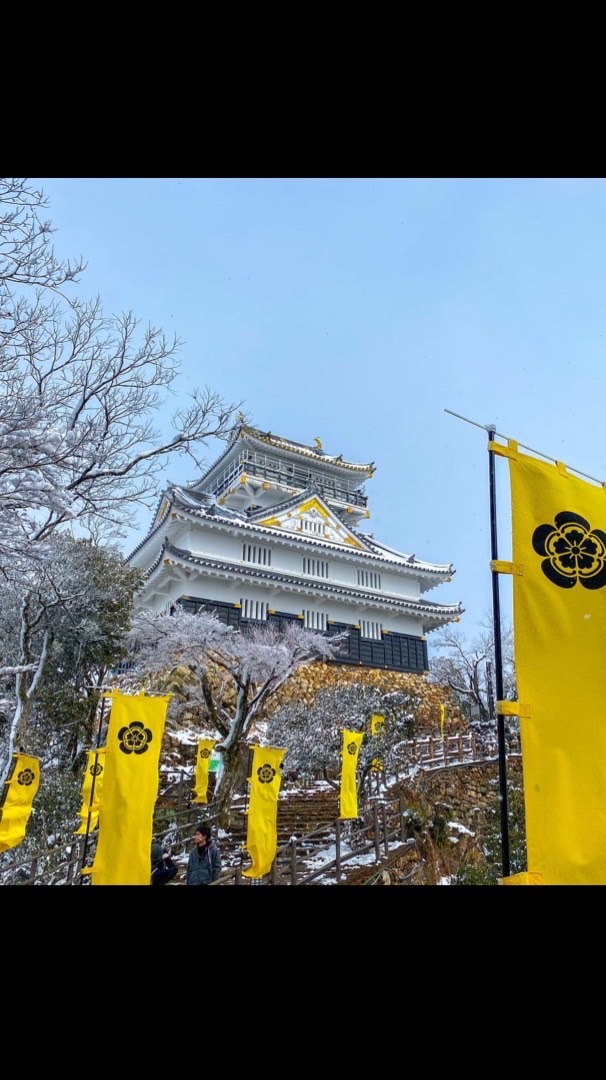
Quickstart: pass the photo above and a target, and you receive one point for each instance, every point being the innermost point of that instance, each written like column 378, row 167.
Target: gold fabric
column 130, row 789
column 19, row 792
column 262, row 815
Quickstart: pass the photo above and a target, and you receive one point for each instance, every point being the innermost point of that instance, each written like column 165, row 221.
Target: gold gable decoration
column 313, row 504
column 297, row 516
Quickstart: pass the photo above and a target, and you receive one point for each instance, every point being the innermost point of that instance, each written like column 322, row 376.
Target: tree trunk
column 233, row 780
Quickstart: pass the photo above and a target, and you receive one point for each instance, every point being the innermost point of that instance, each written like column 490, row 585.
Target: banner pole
column 92, row 790
column 498, row 658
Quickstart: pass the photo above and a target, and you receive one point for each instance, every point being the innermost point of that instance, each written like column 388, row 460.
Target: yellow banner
column 19, row 792
column 350, row 749
column 91, row 790
column 203, row 756
column 559, row 540
column 376, row 723
column 522, row 879
column 442, row 718
column 130, row 789
column 261, row 830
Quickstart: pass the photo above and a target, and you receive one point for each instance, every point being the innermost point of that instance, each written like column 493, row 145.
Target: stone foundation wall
column 465, row 792
column 305, row 684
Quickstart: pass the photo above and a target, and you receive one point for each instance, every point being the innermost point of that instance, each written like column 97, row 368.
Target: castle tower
column 271, row 533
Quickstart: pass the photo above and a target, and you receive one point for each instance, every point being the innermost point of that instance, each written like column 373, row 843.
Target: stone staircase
column 307, row 813
column 309, row 816
column 302, row 812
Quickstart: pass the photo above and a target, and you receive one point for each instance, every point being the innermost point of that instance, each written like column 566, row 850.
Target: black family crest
column 134, row 738
column 266, row 774
column 572, row 551
column 352, row 748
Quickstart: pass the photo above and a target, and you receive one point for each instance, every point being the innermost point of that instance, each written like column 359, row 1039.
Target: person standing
column 204, row 864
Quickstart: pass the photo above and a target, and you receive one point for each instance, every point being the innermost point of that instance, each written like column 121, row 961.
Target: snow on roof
column 317, row 452
column 392, row 555
column 206, row 507
column 426, row 608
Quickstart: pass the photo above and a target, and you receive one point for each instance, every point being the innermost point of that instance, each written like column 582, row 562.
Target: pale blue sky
column 359, row 310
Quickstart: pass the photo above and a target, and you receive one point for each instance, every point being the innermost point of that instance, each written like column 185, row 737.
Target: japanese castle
column 271, row 534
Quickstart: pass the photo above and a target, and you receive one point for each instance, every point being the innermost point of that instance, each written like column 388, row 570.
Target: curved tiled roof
column 201, row 506
column 266, row 438
column 313, row 452
column 440, row 612
column 383, row 551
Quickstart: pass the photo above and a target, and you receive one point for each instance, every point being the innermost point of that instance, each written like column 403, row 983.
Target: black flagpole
column 92, row 789
column 498, row 658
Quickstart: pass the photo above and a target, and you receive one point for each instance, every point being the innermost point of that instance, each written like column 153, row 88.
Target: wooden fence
column 382, row 830
column 63, row 863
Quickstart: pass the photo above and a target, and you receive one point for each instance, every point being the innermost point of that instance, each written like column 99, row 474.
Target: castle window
column 311, row 526
column 367, row 579
column 315, row 620
column 254, row 609
column 370, row 629
column 315, row 567
column 254, row 553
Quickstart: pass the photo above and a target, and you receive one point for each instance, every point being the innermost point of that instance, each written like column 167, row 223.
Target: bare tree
column 79, row 398
column 467, row 667
column 254, row 663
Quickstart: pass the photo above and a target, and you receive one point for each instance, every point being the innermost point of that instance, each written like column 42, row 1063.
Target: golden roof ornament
column 318, row 442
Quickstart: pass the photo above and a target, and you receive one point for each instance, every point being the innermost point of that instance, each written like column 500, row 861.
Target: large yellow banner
column 130, row 789
column 522, row 879
column 91, row 790
column 559, row 595
column 203, row 756
column 261, row 830
column 350, row 749
column 19, row 792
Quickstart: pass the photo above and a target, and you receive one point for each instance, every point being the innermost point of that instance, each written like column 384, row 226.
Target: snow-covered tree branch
column 256, row 663
column 313, row 733
column 81, row 444
column 467, row 667
column 64, row 619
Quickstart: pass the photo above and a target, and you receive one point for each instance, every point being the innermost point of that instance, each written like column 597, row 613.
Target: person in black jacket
column 163, row 867
column 204, row 864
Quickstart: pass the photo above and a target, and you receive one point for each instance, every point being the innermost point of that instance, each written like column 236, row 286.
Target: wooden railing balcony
column 277, row 472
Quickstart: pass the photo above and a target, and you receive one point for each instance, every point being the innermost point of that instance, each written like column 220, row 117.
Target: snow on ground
column 328, row 856
column 458, row 827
